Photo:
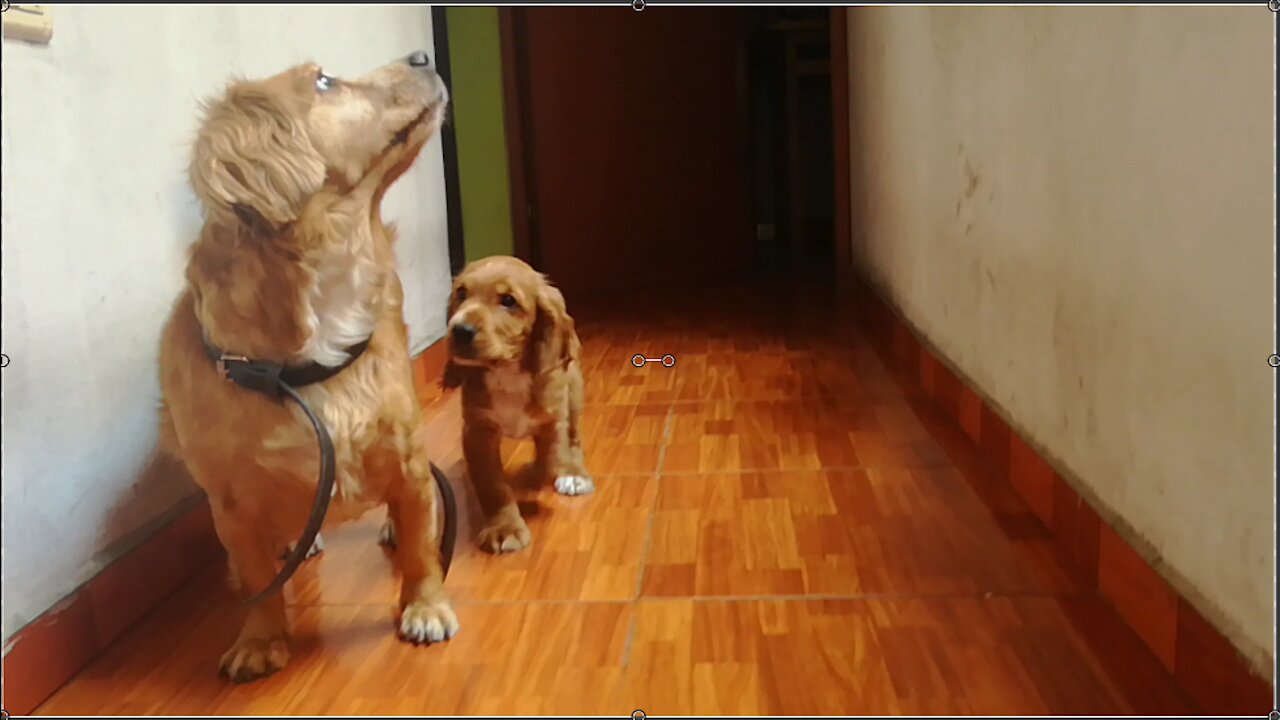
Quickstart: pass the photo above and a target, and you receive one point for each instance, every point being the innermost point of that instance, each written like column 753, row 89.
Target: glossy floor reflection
column 780, row 527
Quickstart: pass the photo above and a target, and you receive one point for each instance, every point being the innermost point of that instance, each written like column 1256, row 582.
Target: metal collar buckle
column 224, row 359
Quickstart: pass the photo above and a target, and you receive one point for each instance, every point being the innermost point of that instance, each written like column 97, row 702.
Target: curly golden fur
column 294, row 265
column 514, row 351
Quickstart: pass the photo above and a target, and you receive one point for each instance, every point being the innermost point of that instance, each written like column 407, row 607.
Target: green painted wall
column 475, row 58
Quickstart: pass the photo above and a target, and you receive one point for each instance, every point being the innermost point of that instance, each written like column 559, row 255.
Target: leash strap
column 319, row 506
column 270, row 379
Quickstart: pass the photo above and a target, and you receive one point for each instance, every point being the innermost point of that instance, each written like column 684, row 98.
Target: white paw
column 424, row 622
column 574, row 485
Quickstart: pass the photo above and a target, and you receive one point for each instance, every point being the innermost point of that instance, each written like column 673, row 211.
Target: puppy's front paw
column 428, row 622
column 575, row 485
column 506, row 534
column 387, row 537
column 317, row 547
column 253, row 658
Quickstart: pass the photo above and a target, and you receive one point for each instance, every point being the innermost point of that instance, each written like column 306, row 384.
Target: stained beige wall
column 95, row 135
column 1075, row 206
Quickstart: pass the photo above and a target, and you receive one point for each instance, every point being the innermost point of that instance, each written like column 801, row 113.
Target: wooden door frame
column 843, row 230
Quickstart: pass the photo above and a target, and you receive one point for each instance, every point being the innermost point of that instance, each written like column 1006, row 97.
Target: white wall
column 96, row 220
column 1075, row 206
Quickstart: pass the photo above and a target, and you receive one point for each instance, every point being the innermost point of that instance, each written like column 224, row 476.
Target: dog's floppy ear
column 549, row 343
column 254, row 221
column 252, row 164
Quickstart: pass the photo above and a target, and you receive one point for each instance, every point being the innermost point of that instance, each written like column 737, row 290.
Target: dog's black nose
column 464, row 333
column 419, row 59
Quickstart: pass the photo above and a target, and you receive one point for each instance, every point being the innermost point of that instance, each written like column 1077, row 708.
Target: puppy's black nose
column 419, row 59
column 464, row 333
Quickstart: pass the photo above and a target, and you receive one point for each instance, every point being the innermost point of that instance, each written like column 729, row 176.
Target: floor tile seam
column 1083, row 593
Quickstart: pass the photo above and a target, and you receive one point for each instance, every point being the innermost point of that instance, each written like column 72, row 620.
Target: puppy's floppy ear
column 452, row 377
column 550, row 341
column 252, row 163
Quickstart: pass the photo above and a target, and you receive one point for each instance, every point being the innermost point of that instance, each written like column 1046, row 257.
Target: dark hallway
column 730, row 175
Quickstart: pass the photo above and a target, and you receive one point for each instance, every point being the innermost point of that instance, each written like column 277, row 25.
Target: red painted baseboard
column 1210, row 670
column 51, row 650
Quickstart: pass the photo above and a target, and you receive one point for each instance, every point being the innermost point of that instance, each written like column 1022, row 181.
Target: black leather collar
column 265, row 377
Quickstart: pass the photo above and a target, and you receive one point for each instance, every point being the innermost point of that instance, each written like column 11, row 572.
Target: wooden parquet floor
column 781, row 526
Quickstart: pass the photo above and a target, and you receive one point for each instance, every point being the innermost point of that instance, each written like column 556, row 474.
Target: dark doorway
column 792, row 151
column 634, row 145
column 671, row 146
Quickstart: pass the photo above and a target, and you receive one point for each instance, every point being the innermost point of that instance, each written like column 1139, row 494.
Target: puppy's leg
column 560, row 445
column 505, row 530
column 426, row 615
column 261, row 647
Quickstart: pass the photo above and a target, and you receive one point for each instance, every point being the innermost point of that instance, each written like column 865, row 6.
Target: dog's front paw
column 506, row 534
column 317, row 547
column 428, row 622
column 575, row 485
column 253, row 658
column 387, row 537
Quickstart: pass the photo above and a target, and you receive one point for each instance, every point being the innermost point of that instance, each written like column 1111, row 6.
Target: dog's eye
column 462, row 294
column 507, row 300
column 324, row 83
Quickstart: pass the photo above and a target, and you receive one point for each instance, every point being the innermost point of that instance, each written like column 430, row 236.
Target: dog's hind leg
column 317, row 547
column 387, row 536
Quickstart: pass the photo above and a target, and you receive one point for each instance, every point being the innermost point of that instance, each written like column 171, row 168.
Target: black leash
column 277, row 381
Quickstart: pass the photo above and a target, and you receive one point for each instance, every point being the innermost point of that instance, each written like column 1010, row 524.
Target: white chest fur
column 338, row 311
column 509, row 393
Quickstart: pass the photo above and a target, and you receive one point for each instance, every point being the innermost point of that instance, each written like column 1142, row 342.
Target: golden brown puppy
column 514, row 351
column 294, row 266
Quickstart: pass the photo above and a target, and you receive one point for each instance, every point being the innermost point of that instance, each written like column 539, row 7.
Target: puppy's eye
column 507, row 300
column 324, row 83
column 462, row 294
